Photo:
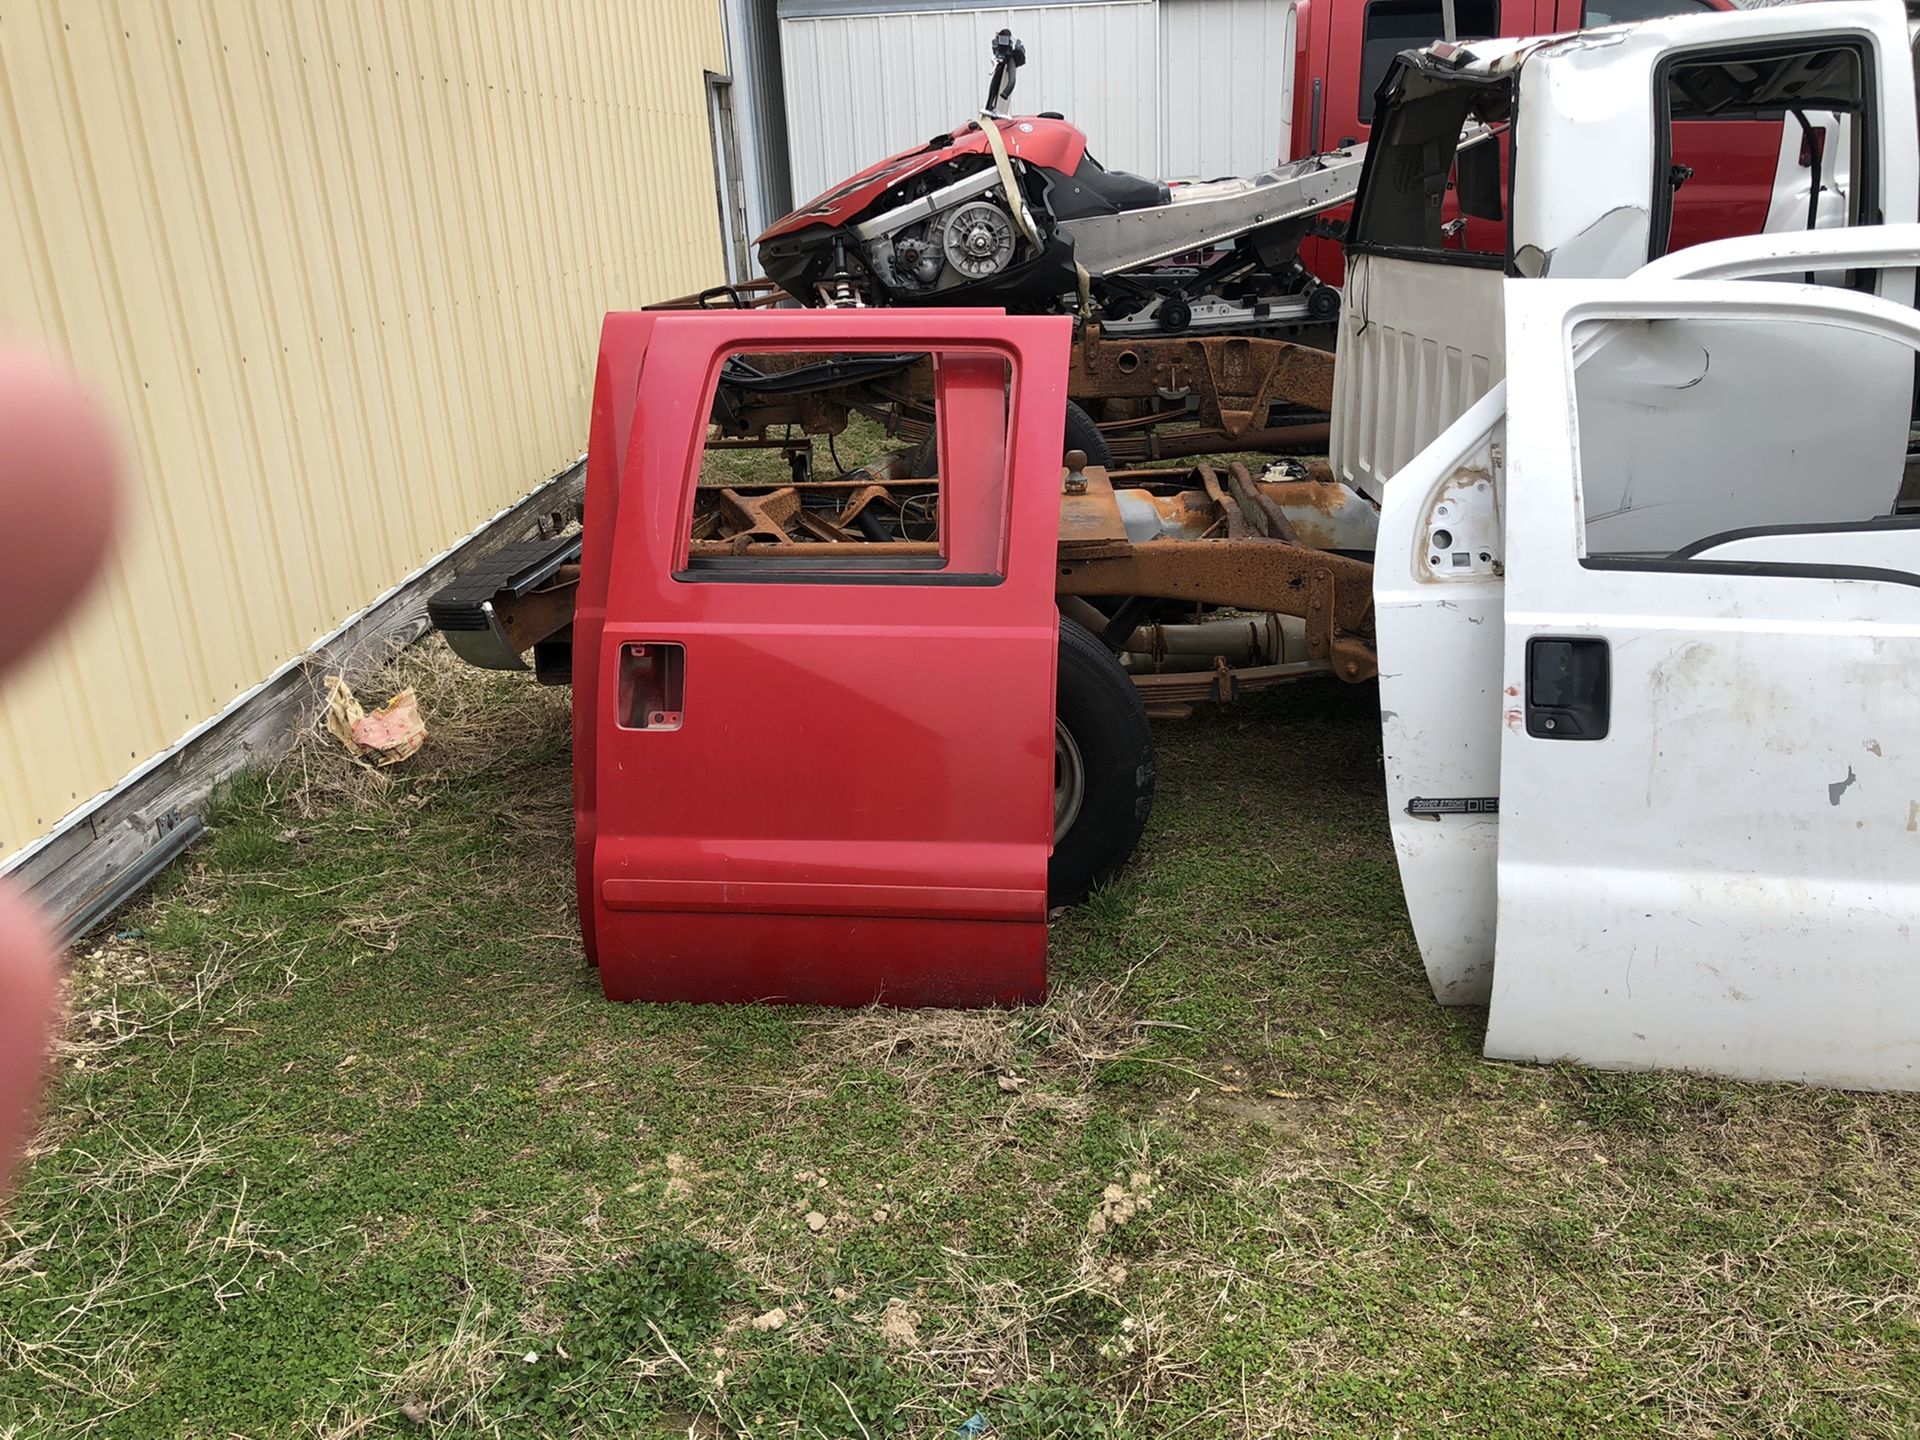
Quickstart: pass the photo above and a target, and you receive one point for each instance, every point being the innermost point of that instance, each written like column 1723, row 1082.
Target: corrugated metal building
column 760, row 112
column 1162, row 87
column 339, row 269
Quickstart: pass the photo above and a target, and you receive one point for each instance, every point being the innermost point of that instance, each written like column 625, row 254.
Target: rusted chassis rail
column 1222, row 392
column 1333, row 594
column 1257, row 566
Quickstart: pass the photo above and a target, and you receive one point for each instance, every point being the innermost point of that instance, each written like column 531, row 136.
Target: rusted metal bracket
column 1173, row 696
column 1232, row 379
column 1332, row 593
column 759, row 517
column 1261, row 511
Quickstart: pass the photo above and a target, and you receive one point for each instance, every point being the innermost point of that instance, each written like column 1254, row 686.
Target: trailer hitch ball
column 1076, row 472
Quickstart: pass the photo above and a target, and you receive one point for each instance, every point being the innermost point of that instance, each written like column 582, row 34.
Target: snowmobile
column 1014, row 211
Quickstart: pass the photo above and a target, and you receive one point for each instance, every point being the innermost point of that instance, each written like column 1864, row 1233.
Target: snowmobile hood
column 1042, row 140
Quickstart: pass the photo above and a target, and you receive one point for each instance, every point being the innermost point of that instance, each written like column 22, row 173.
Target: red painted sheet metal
column 1050, row 144
column 856, row 803
column 774, row 897
column 623, row 346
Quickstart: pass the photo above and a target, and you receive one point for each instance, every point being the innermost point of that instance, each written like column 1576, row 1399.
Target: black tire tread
column 1104, row 713
column 1080, row 434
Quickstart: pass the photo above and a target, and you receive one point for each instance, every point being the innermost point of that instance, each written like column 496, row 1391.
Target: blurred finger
column 58, row 497
column 28, row 996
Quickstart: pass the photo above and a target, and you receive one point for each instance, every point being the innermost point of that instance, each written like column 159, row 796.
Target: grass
column 862, row 442
column 344, row 1142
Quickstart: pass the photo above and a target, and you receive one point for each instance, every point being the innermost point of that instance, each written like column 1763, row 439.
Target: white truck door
column 1709, row 836
column 1437, row 605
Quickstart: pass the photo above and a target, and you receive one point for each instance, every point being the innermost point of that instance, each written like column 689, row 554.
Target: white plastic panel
column 1419, row 344
column 1437, row 622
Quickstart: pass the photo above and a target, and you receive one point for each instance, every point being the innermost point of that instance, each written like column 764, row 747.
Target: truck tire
column 1103, row 768
column 1081, row 434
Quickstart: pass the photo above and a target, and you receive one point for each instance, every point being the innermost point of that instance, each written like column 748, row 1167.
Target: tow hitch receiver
column 819, row 772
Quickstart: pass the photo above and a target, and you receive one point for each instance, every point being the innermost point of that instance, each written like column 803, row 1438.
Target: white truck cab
column 1770, row 121
column 1649, row 635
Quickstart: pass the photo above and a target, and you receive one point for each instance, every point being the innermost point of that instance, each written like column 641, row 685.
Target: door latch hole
column 653, row 680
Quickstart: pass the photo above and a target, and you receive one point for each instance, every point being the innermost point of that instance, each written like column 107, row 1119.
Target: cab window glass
column 1395, row 25
column 1763, row 142
column 1630, row 12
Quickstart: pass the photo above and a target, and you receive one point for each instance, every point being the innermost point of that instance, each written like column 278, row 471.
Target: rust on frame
column 1234, row 378
column 1332, row 593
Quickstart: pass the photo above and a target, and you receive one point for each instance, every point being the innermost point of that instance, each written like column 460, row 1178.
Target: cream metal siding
column 337, row 267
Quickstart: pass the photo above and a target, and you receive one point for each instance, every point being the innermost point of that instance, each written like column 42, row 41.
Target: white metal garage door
column 1162, row 87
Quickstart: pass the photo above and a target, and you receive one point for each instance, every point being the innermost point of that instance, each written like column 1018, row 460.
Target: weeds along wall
column 336, row 272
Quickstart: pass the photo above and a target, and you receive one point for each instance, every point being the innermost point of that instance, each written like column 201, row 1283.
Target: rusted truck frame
column 1265, row 549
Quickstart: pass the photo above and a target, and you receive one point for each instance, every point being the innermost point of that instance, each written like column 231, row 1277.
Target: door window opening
column 1395, row 25
column 1697, row 435
column 853, row 465
column 1763, row 142
column 1426, row 182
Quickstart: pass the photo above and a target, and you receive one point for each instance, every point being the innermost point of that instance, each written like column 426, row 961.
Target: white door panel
column 1728, row 880
column 1793, row 181
column 1437, row 609
column 1716, row 894
column 1420, row 342
column 1712, row 469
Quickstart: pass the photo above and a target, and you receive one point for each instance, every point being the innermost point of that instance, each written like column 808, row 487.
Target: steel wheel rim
column 1069, row 781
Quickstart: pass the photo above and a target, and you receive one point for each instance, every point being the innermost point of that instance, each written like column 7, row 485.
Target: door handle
column 1569, row 684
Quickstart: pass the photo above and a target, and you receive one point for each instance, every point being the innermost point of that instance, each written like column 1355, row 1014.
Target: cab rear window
column 1395, row 25
column 1427, row 187
column 1632, row 12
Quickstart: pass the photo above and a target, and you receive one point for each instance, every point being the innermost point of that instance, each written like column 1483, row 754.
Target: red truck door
column 820, row 773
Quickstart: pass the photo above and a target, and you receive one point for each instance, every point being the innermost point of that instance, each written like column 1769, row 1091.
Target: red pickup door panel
column 852, row 798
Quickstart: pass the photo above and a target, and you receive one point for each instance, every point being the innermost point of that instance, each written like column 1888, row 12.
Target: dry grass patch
column 343, row 1133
